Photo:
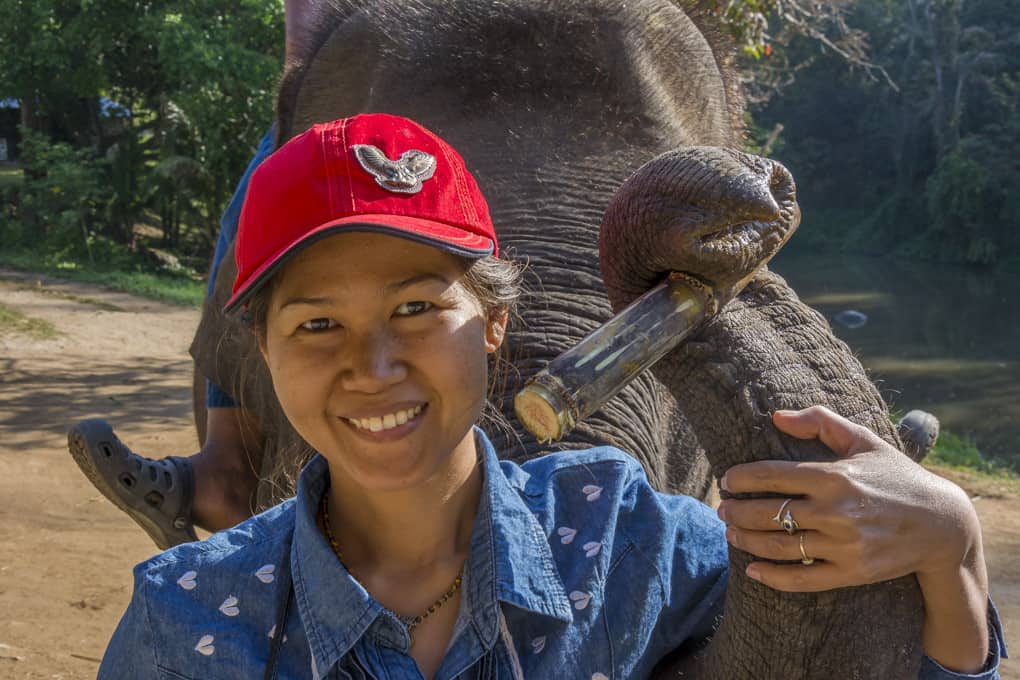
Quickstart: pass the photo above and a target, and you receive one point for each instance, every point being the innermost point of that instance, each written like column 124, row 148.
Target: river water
column 942, row 338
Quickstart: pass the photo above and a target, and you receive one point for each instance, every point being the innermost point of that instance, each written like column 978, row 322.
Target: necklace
column 410, row 622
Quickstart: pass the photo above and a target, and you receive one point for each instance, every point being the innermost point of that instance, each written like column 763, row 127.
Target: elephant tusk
column 576, row 383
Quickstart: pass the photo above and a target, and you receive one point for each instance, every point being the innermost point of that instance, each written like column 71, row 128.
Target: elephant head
column 554, row 105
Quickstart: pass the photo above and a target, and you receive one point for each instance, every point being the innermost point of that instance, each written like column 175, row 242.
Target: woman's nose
column 373, row 364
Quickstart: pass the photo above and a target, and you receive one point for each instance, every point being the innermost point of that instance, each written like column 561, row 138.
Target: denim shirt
column 577, row 568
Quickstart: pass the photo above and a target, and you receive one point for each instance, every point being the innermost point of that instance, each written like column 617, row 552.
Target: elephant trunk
column 716, row 214
column 764, row 351
column 769, row 351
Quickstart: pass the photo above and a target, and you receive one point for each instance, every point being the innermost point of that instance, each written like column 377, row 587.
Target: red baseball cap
column 372, row 172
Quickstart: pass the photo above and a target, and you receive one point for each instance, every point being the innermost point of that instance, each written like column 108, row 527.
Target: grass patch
column 975, row 483
column 10, row 176
column 952, row 450
column 39, row 289
column 959, row 459
column 176, row 289
column 13, row 321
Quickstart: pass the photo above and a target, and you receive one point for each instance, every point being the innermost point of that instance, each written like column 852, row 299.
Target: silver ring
column 804, row 559
column 778, row 519
column 787, row 522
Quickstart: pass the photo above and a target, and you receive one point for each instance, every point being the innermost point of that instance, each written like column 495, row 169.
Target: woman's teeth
column 386, row 422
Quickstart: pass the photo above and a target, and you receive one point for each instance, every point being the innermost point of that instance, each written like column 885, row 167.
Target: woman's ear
column 495, row 329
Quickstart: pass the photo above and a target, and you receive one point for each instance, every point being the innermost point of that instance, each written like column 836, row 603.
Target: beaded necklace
column 410, row 622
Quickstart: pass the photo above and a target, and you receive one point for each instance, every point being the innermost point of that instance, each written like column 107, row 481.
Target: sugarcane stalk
column 576, row 383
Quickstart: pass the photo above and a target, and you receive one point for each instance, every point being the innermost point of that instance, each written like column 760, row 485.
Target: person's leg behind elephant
column 214, row 487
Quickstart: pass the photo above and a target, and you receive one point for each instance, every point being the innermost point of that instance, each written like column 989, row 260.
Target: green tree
column 172, row 95
column 923, row 168
column 60, row 203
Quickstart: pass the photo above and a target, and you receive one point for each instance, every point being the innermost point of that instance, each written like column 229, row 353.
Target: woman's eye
column 321, row 324
column 412, row 308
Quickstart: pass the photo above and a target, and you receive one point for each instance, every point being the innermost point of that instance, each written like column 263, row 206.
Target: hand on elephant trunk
column 871, row 515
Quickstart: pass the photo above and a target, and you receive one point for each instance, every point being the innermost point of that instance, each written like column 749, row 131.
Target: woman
column 368, row 268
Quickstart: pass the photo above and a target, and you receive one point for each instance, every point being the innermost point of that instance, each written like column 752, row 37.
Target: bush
column 958, row 204
column 59, row 203
column 954, row 451
column 971, row 199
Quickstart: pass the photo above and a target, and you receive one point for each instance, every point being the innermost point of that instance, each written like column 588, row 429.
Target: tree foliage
column 902, row 117
column 766, row 28
column 926, row 166
column 166, row 99
column 61, row 201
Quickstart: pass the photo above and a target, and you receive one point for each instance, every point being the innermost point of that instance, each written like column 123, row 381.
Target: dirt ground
column 66, row 554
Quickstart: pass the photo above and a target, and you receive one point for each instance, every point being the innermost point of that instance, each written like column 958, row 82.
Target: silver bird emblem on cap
column 403, row 175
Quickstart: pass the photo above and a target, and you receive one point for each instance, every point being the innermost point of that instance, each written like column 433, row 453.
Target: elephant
column 554, row 105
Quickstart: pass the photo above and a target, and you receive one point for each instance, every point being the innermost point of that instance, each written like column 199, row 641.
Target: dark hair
column 497, row 285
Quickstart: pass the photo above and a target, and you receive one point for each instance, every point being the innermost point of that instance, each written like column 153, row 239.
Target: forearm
column 956, row 624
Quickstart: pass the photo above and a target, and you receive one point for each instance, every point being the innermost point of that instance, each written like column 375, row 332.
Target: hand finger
column 779, row 545
column 841, row 435
column 798, row 578
column 786, row 477
column 766, row 514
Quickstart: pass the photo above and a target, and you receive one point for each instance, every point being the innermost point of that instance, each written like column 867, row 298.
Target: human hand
column 873, row 515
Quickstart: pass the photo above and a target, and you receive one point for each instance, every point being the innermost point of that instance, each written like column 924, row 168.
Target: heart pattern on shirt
column 566, row 535
column 580, row 599
column 188, row 580
column 229, row 607
column 266, row 573
column 205, row 645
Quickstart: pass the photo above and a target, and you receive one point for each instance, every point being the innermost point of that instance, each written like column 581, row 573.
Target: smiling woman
column 378, row 355
column 354, row 343
column 377, row 299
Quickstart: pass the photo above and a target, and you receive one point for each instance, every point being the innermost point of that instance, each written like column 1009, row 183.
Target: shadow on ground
column 39, row 401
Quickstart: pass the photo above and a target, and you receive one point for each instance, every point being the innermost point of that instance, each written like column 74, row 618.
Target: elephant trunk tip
column 769, row 198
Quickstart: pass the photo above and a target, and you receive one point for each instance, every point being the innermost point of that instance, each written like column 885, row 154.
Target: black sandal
column 156, row 494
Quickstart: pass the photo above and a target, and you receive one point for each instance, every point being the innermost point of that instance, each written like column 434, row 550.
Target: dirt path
column 65, row 553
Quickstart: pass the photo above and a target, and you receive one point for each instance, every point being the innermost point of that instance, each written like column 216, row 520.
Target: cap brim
column 436, row 234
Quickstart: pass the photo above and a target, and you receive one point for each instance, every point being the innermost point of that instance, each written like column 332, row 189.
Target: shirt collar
column 510, row 558
column 335, row 610
column 510, row 561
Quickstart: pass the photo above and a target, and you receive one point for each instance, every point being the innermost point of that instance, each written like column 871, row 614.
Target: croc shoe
column 156, row 494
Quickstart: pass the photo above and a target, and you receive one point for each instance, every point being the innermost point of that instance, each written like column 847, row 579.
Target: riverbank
column 937, row 337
